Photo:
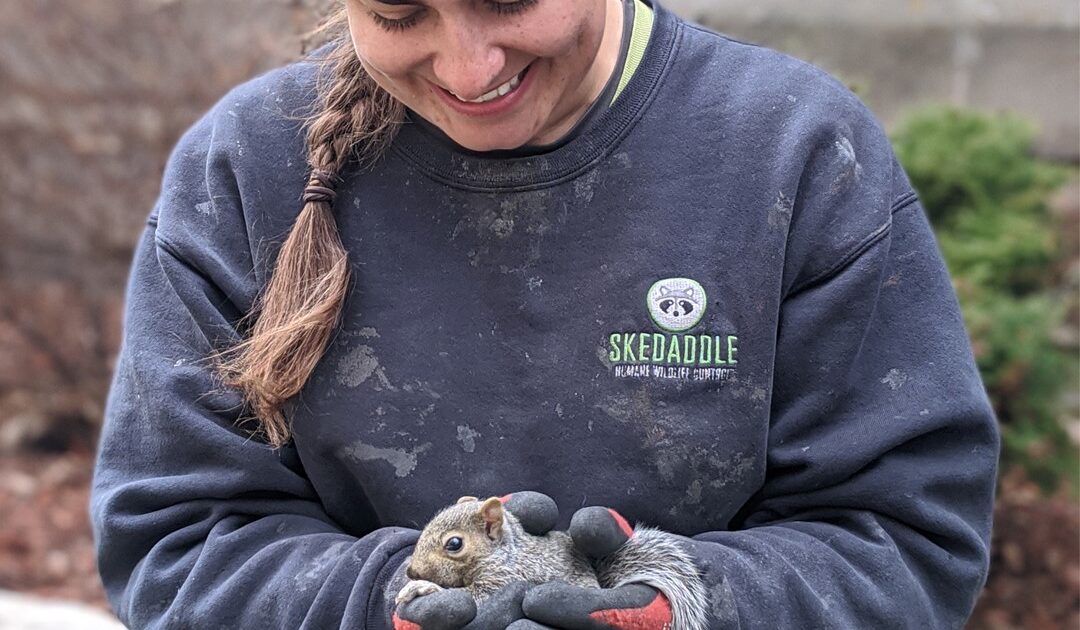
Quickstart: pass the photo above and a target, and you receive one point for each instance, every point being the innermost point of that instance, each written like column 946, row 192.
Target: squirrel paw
column 414, row 589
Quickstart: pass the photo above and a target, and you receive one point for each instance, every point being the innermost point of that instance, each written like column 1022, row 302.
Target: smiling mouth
column 502, row 90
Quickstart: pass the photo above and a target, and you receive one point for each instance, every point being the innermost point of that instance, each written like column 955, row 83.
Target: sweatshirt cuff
column 723, row 611
column 389, row 581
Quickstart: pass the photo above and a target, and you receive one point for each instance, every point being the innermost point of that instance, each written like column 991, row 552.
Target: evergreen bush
column 986, row 195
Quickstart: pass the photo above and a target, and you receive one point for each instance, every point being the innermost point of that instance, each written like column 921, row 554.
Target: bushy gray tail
column 656, row 558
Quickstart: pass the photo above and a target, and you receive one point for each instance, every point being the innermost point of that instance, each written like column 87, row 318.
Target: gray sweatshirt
column 719, row 310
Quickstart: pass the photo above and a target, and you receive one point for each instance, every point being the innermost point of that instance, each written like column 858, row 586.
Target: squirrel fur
column 481, row 547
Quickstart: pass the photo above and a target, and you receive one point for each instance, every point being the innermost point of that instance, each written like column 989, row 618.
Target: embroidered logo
column 676, row 305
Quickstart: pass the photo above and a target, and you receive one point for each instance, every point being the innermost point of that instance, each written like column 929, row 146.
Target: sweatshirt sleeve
column 882, row 450
column 196, row 524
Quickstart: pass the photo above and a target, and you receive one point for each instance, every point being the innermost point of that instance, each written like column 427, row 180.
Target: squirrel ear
column 466, row 500
column 491, row 513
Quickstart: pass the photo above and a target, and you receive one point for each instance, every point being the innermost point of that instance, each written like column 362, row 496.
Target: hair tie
column 320, row 187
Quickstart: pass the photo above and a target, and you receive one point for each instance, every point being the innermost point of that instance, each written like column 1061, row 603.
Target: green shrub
column 987, row 197
column 960, row 160
column 1024, row 374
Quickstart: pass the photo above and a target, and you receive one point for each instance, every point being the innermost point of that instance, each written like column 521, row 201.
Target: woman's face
column 530, row 67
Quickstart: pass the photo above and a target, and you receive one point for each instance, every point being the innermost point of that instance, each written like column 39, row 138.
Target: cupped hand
column 628, row 607
column 597, row 532
column 455, row 609
column 435, row 608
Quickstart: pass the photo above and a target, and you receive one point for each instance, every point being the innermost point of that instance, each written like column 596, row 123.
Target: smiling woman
column 581, row 247
column 491, row 74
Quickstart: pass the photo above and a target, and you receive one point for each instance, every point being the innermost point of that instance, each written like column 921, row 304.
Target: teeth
column 502, row 90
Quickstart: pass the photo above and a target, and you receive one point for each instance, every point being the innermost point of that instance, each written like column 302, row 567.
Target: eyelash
column 502, row 8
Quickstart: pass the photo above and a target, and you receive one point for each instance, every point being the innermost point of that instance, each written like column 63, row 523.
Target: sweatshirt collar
column 472, row 170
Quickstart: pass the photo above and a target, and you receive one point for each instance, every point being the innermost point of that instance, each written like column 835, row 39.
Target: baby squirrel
column 481, row 547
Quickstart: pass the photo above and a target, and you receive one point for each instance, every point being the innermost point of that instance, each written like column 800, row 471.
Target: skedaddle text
column 660, row 349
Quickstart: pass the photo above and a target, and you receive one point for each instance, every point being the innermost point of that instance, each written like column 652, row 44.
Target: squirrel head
column 457, row 539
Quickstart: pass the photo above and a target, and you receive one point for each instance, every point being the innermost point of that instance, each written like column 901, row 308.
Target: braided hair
column 292, row 321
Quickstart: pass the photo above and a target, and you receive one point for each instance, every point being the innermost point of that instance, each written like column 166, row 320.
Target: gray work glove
column 597, row 532
column 454, row 609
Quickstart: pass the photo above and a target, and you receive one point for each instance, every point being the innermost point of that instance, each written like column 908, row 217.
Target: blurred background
column 981, row 98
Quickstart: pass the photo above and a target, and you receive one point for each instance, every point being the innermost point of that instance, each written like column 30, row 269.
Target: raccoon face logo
column 676, row 304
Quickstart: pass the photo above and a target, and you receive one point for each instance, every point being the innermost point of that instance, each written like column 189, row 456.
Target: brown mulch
column 1035, row 563
column 46, row 546
column 45, row 543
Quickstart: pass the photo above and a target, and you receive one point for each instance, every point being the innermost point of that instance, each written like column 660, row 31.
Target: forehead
column 420, row 3
column 446, row 4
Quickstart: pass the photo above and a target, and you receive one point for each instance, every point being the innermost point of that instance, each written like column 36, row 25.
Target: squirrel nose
column 409, row 573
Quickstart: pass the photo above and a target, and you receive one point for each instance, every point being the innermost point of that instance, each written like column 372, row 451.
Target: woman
column 609, row 256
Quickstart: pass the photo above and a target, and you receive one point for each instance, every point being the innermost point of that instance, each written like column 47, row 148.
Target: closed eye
column 396, row 24
column 400, row 24
column 507, row 8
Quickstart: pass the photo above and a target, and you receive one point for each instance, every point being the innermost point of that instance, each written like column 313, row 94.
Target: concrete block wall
column 1016, row 55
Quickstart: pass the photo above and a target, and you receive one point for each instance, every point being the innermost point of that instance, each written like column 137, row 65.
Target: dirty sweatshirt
column 719, row 310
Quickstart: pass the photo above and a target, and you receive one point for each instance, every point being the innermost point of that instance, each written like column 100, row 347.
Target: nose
column 410, row 573
column 466, row 61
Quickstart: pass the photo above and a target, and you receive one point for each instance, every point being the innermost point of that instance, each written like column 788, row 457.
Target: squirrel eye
column 453, row 544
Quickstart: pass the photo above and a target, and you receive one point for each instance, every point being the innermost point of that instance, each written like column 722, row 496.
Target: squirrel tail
column 656, row 558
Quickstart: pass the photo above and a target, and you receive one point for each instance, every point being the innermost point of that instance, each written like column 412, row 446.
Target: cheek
column 392, row 71
column 448, row 578
column 387, row 58
column 386, row 53
column 557, row 35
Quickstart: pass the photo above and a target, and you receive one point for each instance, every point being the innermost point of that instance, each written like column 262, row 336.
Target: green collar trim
column 639, row 39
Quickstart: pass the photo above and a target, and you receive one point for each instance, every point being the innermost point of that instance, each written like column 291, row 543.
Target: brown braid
column 301, row 305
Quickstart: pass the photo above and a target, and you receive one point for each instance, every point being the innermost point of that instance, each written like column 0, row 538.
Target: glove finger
column 500, row 610
column 575, row 608
column 597, row 531
column 450, row 609
column 536, row 511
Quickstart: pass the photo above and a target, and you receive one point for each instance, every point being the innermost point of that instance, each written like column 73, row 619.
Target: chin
column 489, row 141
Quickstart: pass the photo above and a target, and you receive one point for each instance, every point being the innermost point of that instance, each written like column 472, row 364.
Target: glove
column 536, row 511
column 455, row 609
column 450, row 609
column 628, row 607
column 597, row 532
